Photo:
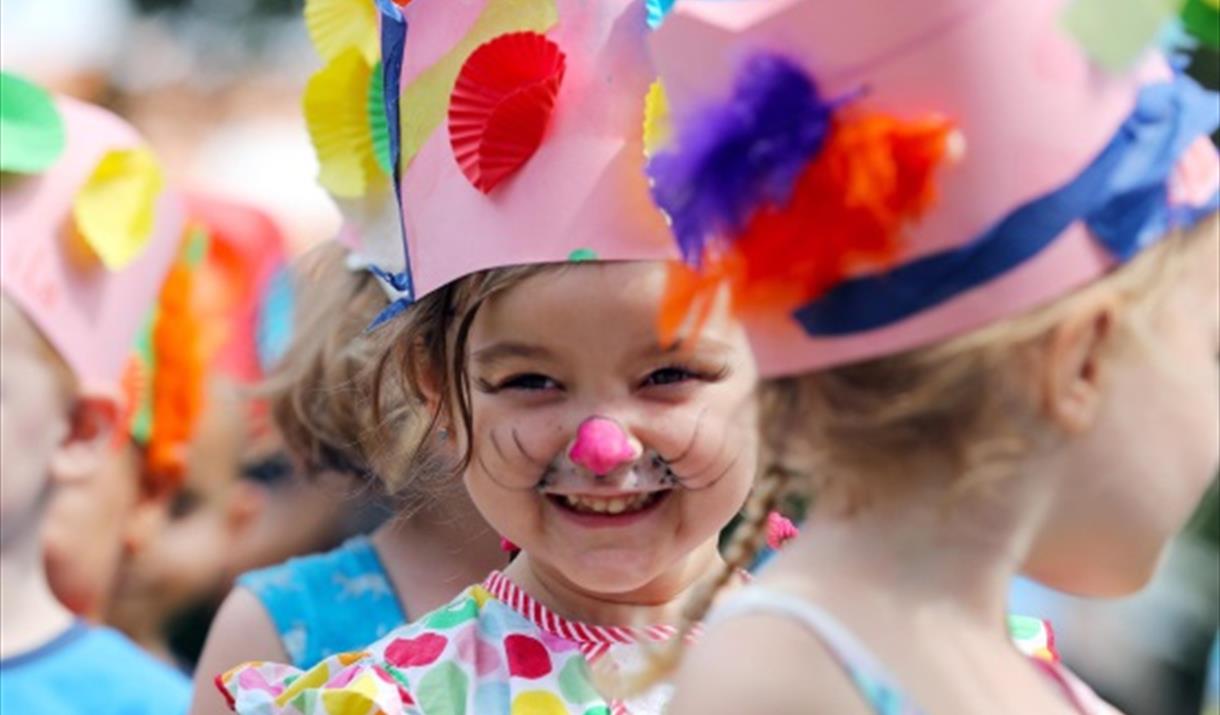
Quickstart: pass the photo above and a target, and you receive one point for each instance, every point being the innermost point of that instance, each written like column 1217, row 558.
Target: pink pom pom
column 779, row 530
column 508, row 546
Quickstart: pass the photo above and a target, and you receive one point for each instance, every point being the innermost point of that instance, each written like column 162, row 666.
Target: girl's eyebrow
column 497, row 352
column 705, row 347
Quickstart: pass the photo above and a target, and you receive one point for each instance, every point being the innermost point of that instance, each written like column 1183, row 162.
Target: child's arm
column 241, row 632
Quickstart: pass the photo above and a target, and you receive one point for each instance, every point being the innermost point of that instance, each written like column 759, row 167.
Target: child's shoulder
column 758, row 663
column 355, row 558
column 327, row 603
column 90, row 669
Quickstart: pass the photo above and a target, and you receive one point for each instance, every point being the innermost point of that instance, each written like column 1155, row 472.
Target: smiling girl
column 523, row 330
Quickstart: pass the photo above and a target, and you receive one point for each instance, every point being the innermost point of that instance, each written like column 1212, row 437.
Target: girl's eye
column 669, row 376
column 531, row 382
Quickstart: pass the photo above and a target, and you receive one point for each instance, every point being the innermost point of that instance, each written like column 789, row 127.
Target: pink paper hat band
column 1122, row 197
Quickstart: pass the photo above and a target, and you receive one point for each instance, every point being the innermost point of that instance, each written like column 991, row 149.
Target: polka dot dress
column 493, row 650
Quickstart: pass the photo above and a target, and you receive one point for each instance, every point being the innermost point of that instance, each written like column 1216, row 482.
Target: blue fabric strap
column 393, row 42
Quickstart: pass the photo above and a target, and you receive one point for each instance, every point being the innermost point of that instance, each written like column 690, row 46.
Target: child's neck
column 430, row 555
column 659, row 601
column 30, row 615
column 921, row 550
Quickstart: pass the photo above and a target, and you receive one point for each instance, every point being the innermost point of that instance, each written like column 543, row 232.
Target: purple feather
column 731, row 158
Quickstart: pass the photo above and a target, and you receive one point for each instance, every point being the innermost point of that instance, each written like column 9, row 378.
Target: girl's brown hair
column 422, row 371
column 361, row 402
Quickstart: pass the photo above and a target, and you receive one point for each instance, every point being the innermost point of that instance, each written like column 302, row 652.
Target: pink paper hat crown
column 88, row 232
column 877, row 175
column 514, row 134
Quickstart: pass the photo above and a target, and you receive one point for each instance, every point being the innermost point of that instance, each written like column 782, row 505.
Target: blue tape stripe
column 393, row 43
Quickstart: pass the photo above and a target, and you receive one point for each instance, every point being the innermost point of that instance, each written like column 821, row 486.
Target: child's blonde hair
column 959, row 402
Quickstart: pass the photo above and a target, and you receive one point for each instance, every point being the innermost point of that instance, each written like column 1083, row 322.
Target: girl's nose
column 602, row 445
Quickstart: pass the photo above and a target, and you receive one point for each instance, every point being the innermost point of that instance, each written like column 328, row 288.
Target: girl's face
column 1127, row 486
column 605, row 456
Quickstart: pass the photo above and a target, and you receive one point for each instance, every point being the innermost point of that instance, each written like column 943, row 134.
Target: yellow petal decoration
column 115, row 210
column 658, row 128
column 428, row 95
column 336, row 25
column 336, row 113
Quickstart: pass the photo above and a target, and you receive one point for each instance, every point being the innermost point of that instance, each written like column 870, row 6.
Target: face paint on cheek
column 714, row 450
column 514, row 468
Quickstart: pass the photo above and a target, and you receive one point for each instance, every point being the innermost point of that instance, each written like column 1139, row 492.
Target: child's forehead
column 18, row 334
column 596, row 303
column 576, row 292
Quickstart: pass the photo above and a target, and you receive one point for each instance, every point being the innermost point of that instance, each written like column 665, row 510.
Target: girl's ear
column 431, row 389
column 1077, row 363
column 92, row 421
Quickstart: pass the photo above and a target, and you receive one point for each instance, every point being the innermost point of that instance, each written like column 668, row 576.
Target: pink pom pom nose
column 601, row 446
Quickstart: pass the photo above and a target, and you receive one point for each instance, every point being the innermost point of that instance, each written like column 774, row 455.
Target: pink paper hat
column 877, row 175
column 225, row 305
column 244, row 287
column 514, row 133
column 88, row 240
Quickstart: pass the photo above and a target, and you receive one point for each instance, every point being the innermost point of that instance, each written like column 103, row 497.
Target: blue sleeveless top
column 328, row 603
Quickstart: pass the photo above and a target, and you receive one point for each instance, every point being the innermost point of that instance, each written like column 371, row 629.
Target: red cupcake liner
column 501, row 105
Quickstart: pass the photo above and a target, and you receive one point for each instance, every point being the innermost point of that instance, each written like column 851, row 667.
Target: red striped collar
column 592, row 640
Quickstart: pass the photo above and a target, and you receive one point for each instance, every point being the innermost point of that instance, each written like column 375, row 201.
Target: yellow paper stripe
column 115, row 210
column 425, row 101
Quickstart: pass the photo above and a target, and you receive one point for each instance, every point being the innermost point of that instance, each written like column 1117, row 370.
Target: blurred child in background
column 242, row 503
column 313, row 607
column 88, row 236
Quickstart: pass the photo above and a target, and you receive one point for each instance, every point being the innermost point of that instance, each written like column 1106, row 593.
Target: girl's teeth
column 613, row 505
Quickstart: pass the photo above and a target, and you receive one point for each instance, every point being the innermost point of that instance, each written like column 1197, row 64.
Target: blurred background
column 215, row 85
